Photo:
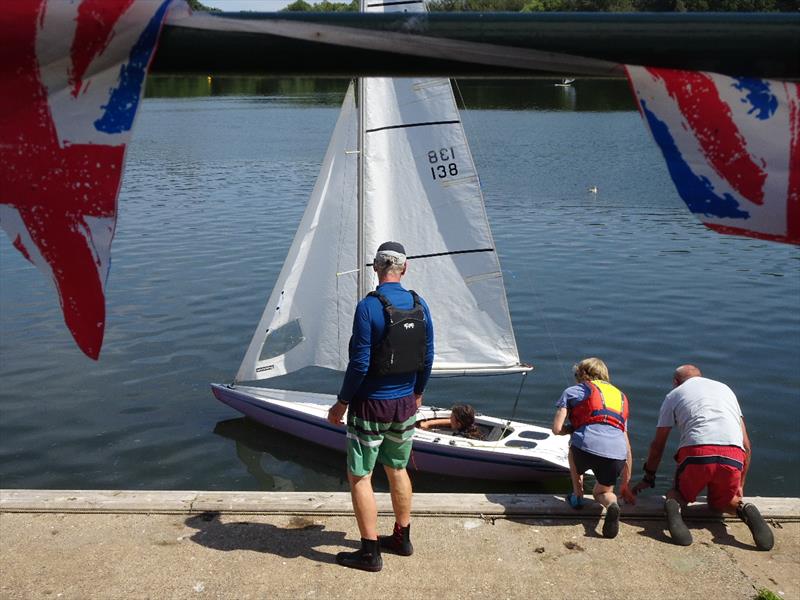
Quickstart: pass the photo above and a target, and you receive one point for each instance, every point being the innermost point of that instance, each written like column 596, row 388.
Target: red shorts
column 717, row 467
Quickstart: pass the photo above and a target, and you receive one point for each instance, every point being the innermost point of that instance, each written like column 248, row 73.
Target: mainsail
column 420, row 188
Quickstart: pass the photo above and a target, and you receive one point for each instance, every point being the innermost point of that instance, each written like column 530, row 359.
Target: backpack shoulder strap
column 415, row 297
column 384, row 300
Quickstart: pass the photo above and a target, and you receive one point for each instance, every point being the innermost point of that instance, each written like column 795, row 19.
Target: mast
column 361, row 275
column 361, row 257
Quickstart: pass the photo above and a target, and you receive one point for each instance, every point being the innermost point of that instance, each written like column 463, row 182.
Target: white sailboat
column 398, row 167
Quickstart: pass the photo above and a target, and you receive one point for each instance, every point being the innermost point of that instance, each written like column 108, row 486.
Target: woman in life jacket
column 461, row 421
column 598, row 426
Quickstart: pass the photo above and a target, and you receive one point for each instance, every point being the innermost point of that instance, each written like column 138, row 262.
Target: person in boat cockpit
column 598, row 424
column 461, row 421
column 391, row 356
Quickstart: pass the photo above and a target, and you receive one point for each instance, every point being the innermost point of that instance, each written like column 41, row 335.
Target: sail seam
column 461, row 181
column 406, row 125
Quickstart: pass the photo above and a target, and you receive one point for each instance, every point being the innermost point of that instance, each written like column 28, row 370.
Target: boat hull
column 525, row 453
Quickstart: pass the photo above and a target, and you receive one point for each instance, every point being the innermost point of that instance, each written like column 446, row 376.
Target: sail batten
column 448, row 253
column 409, row 125
column 411, row 180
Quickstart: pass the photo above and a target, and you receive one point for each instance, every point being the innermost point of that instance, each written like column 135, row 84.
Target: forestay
column 421, row 189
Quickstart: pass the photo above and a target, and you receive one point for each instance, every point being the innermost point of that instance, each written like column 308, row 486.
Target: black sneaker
column 366, row 558
column 762, row 533
column 611, row 522
column 677, row 528
column 399, row 542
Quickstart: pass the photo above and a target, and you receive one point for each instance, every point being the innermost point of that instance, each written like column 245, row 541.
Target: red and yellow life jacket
column 605, row 404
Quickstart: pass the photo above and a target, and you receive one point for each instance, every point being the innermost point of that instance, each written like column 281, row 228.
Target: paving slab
column 242, row 554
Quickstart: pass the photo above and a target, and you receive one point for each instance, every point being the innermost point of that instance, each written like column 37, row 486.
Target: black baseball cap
column 392, row 247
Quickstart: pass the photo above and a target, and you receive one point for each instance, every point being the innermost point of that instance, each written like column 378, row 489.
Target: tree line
column 572, row 6
column 558, row 6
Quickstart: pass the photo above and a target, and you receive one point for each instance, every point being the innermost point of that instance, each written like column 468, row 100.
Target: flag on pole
column 71, row 78
column 732, row 146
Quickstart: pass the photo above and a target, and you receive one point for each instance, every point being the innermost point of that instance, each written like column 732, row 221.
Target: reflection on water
column 214, row 188
column 503, row 94
column 569, row 97
column 296, row 90
column 278, row 462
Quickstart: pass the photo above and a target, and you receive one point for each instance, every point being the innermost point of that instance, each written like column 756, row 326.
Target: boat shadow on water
column 281, row 462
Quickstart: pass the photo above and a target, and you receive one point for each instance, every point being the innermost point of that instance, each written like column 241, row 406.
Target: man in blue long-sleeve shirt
column 391, row 355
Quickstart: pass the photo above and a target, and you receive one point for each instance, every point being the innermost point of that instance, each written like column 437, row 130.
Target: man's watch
column 649, row 476
column 340, row 401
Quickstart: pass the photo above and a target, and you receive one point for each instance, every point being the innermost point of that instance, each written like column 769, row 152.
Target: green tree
column 324, row 6
column 199, row 6
column 298, row 6
column 543, row 6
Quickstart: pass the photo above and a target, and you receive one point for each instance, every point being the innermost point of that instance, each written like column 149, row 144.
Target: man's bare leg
column 364, row 505
column 400, row 488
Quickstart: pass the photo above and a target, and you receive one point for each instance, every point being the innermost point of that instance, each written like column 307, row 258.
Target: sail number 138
column 442, row 163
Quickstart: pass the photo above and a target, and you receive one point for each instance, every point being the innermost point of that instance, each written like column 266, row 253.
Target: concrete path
column 283, row 549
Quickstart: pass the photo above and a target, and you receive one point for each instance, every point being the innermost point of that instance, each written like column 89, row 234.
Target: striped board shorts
column 379, row 431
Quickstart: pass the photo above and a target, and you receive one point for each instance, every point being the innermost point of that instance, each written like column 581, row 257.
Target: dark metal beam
column 749, row 44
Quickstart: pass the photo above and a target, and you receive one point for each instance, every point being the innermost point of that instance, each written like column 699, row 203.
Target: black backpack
column 402, row 349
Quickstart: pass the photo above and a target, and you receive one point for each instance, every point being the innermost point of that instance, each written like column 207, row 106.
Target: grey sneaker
column 611, row 522
column 762, row 532
column 677, row 528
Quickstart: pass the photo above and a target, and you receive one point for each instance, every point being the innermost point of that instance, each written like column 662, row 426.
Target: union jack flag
column 732, row 146
column 71, row 78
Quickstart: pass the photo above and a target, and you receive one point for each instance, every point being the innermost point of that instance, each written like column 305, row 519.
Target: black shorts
column 606, row 470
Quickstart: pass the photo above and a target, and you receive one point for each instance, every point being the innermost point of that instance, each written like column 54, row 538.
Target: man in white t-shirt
column 713, row 453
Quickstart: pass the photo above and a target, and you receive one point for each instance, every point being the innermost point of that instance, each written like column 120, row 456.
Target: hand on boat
column 627, row 494
column 642, row 485
column 336, row 413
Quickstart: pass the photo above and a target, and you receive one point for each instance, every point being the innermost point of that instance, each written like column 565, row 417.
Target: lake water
column 215, row 184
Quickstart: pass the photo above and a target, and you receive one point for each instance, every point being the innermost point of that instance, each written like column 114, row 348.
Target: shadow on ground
column 302, row 537
column 591, row 517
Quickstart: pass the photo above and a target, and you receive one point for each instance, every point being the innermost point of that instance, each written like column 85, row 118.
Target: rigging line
column 514, row 410
column 415, row 256
column 407, row 125
column 466, row 117
column 543, row 319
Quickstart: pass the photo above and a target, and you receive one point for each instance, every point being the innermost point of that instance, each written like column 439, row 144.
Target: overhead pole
column 480, row 44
